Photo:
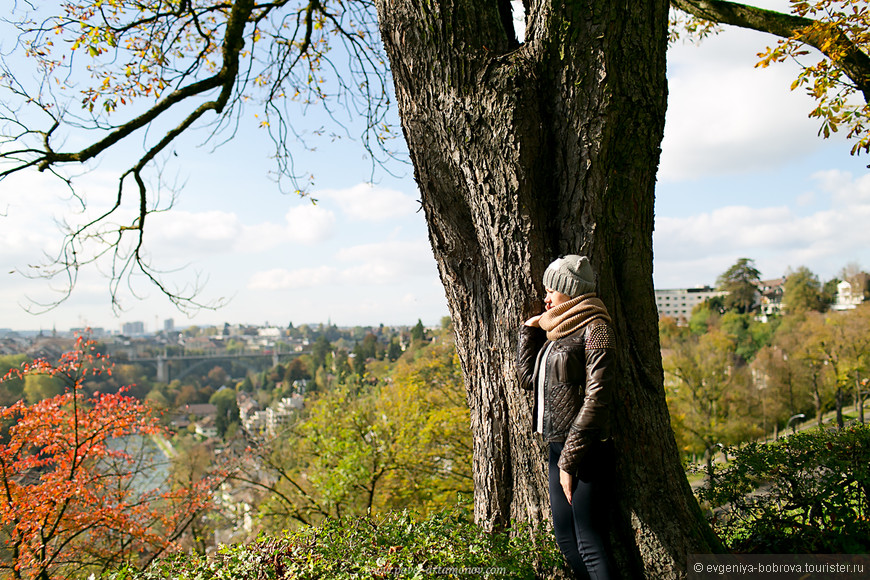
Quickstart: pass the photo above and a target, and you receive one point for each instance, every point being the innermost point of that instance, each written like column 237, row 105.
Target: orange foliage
column 72, row 498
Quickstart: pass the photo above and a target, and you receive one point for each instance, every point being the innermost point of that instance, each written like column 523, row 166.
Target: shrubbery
column 446, row 544
column 808, row 493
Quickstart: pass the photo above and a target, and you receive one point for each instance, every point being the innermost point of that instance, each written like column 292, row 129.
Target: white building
column 679, row 302
column 269, row 421
column 281, row 413
column 847, row 296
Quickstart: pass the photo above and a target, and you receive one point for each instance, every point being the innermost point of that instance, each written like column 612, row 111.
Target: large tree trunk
column 521, row 153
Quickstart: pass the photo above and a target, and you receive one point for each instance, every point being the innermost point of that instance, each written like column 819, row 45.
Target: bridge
column 192, row 362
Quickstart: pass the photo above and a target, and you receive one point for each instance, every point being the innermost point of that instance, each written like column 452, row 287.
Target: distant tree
column 296, row 370
column 235, row 345
column 246, row 385
column 704, row 316
column 188, row 395
column 341, row 364
column 73, row 497
column 707, row 393
column 778, row 386
column 217, row 377
column 749, row 335
column 848, row 352
column 227, row 410
column 13, row 389
column 403, row 443
column 808, row 343
column 365, row 350
column 394, row 351
column 802, row 292
column 190, row 331
column 130, row 376
column 41, row 386
column 319, row 350
column 157, row 399
column 306, row 332
column 418, row 332
column 850, row 270
column 369, row 346
column 741, row 282
column 669, row 331
column 829, row 291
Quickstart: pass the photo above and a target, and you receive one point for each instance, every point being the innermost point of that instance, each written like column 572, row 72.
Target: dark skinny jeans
column 581, row 526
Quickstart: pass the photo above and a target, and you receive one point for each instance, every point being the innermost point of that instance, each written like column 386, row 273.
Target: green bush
column 808, row 493
column 445, row 545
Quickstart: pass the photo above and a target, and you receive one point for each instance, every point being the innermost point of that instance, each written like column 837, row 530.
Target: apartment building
column 679, row 302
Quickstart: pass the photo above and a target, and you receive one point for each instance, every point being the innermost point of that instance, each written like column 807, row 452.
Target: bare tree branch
column 146, row 48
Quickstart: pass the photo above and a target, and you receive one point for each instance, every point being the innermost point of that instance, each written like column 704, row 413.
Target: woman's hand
column 534, row 321
column 567, row 481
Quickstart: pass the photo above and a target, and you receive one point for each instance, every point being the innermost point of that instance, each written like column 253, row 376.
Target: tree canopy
column 741, row 282
column 803, row 291
column 78, row 493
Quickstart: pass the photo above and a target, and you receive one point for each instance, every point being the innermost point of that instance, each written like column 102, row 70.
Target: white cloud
column 727, row 117
column 366, row 202
column 309, row 224
column 390, row 261
column 843, row 189
column 33, row 208
column 376, row 264
column 694, row 250
column 281, row 279
column 189, row 234
column 210, row 231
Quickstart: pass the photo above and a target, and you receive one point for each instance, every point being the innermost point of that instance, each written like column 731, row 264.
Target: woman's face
column 554, row 298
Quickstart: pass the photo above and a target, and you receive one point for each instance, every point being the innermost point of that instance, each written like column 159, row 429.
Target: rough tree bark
column 523, row 152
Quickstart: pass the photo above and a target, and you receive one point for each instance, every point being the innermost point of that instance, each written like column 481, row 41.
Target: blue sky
column 743, row 174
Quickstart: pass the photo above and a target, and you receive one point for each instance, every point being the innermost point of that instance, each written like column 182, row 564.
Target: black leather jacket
column 577, row 389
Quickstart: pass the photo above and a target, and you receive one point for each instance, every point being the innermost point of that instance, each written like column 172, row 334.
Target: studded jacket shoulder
column 578, row 385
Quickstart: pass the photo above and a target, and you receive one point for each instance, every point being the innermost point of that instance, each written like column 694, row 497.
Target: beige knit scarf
column 568, row 317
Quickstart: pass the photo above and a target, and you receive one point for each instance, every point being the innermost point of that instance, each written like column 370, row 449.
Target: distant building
column 269, row 332
column 169, row 325
column 271, row 420
column 851, row 293
column 200, row 344
column 281, row 413
column 679, row 302
column 133, row 328
column 200, row 410
column 206, row 427
column 771, row 292
column 94, row 332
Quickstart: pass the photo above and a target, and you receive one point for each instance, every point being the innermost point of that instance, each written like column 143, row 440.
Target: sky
column 743, row 174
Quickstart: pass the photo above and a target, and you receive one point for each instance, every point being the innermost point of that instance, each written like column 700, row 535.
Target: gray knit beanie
column 571, row 275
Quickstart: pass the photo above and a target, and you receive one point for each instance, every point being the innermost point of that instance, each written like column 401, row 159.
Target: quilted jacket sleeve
column 592, row 423
column 531, row 340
